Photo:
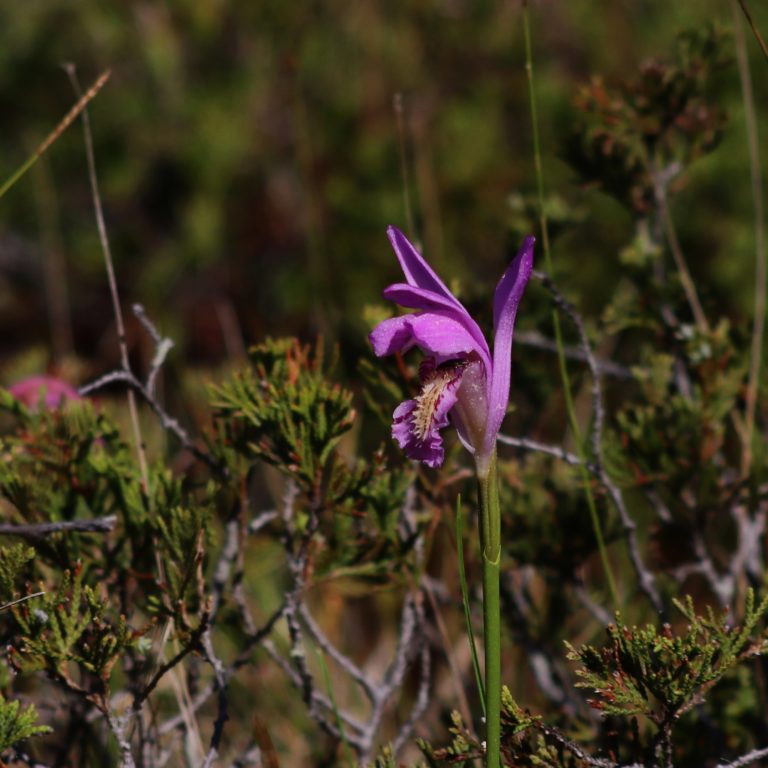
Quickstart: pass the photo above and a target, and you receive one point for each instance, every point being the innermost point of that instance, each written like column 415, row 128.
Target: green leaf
column 17, row 724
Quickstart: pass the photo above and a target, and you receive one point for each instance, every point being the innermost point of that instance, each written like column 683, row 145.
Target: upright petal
column 513, row 282
column 506, row 300
column 415, row 268
column 413, row 297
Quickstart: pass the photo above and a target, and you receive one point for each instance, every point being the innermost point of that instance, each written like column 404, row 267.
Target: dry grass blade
column 176, row 678
column 755, row 30
column 20, row 600
column 69, row 118
column 108, row 263
column 756, row 181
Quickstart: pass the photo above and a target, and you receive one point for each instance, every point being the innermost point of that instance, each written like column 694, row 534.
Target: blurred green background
column 250, row 160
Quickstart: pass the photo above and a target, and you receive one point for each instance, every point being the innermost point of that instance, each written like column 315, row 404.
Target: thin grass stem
column 69, row 118
column 55, row 268
column 23, row 599
column 543, row 225
column 397, row 106
column 465, row 602
column 689, row 287
column 350, row 755
column 109, row 265
column 456, row 676
column 178, row 681
column 756, row 181
column 755, row 30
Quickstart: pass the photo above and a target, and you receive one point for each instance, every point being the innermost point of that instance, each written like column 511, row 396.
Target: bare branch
column 744, row 760
column 606, row 367
column 167, row 421
column 39, row 530
column 577, row 751
column 221, row 688
column 598, row 612
column 163, row 346
column 320, row 700
column 422, row 700
column 162, row 670
column 341, row 659
column 645, row 578
column 262, row 520
column 537, row 447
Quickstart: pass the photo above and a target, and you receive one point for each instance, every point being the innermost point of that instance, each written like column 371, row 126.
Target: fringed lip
column 417, row 422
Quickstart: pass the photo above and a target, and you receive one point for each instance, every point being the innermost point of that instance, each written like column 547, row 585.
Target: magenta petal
column 506, row 300
column 416, row 270
column 429, row 301
column 413, row 297
column 443, row 329
column 436, row 333
column 511, row 287
column 392, row 335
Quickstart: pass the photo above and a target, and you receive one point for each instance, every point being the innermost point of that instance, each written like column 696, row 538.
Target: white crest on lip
column 435, row 383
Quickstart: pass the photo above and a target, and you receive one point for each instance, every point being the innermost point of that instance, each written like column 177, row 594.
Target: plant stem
column 490, row 539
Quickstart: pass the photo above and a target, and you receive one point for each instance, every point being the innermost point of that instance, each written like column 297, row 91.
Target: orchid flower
column 461, row 379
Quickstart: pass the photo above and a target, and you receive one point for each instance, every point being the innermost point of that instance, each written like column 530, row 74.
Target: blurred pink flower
column 55, row 392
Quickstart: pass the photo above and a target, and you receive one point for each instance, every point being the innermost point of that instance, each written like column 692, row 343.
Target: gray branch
column 645, row 577
column 39, row 530
column 168, row 422
column 146, row 389
column 744, row 760
column 606, row 367
column 220, row 679
column 550, row 450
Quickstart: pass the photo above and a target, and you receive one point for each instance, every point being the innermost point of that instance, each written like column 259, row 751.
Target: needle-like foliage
column 662, row 674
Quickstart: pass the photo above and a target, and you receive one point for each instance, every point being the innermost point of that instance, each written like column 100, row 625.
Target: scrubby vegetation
column 213, row 553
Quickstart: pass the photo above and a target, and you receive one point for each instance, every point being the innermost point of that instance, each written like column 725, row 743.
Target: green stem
column 490, row 538
column 569, row 405
column 350, row 755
